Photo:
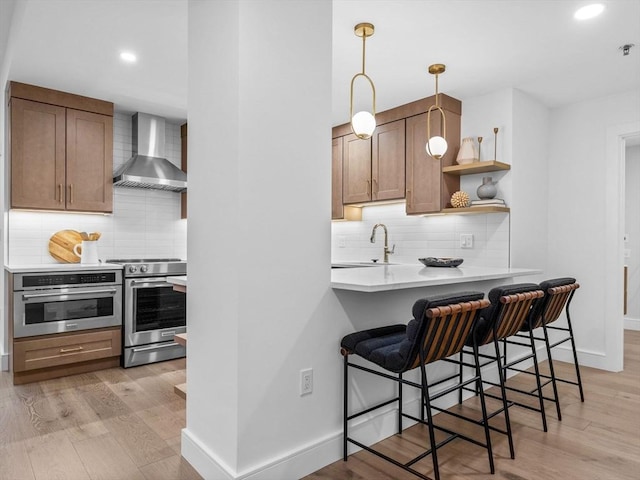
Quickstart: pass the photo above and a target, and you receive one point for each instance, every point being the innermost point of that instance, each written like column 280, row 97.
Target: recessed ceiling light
column 589, row 11
column 128, row 57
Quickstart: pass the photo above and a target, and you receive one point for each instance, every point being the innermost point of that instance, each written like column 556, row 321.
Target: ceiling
column 533, row 45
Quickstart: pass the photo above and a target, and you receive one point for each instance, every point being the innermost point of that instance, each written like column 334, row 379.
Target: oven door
column 57, row 310
column 154, row 311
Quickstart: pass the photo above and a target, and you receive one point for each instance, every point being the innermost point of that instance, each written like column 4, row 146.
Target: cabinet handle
column 409, row 197
column 369, row 187
column 71, row 193
column 60, row 192
column 69, row 350
column 376, row 185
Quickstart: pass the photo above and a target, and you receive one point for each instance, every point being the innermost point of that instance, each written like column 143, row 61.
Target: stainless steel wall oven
column 153, row 311
column 56, row 302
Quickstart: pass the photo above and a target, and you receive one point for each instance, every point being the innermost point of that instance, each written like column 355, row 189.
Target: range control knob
column 133, row 269
column 144, row 268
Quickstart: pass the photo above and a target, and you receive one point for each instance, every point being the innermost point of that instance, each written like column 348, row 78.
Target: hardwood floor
column 597, row 439
column 112, row 424
column 125, row 424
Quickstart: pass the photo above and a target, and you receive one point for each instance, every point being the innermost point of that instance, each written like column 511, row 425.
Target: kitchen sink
column 359, row 264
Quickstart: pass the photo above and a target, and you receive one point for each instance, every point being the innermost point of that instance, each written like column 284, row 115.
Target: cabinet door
column 37, row 155
column 337, row 210
column 388, row 161
column 356, row 170
column 424, row 172
column 89, row 161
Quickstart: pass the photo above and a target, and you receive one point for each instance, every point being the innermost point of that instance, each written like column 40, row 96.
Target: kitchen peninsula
column 381, row 278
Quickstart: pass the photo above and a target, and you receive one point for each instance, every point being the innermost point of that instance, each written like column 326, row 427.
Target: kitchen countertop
column 180, row 280
column 60, row 267
column 397, row 277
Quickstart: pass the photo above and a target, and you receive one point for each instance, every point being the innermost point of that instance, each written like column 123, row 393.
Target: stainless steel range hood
column 148, row 168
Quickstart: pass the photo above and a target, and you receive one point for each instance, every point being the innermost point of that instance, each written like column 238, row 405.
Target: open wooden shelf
column 476, row 167
column 475, row 210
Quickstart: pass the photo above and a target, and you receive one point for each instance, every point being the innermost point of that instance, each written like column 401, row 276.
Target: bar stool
column 439, row 328
column 558, row 293
column 505, row 317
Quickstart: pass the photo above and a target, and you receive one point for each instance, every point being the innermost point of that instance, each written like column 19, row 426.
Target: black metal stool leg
column 502, row 378
column 537, row 371
column 345, row 408
column 460, row 377
column 400, row 402
column 573, row 347
column 552, row 372
column 427, row 405
column 487, row 434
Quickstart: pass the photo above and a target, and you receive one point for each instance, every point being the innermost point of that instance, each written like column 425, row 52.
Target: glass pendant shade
column 363, row 124
column 436, row 147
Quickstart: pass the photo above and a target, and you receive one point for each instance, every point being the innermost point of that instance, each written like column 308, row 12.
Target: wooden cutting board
column 61, row 246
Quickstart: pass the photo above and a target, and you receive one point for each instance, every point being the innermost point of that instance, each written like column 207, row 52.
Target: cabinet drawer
column 55, row 350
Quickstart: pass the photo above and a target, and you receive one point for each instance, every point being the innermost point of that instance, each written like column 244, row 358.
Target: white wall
column 259, row 306
column 417, row 237
column 144, row 224
column 582, row 221
column 632, row 229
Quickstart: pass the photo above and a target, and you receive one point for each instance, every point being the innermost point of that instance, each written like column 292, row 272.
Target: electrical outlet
column 306, row 381
column 466, row 240
column 342, row 241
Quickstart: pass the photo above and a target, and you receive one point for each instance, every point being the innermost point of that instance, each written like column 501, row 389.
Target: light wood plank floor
column 597, row 439
column 116, row 424
column 125, row 424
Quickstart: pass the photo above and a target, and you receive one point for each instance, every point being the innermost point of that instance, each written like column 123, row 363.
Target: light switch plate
column 466, row 240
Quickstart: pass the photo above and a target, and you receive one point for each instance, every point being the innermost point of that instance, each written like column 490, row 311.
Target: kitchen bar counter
column 61, row 267
column 398, row 277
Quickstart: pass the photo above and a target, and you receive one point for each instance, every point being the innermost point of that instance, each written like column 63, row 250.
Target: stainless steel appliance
column 55, row 302
column 153, row 311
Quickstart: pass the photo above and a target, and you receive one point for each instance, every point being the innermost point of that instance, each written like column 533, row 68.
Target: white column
column 259, row 304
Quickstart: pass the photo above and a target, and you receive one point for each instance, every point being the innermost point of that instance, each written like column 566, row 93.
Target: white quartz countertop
column 61, row 267
column 180, row 280
column 397, row 277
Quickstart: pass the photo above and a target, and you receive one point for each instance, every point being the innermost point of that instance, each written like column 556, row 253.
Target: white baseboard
column 631, row 323
column 328, row 449
column 4, row 362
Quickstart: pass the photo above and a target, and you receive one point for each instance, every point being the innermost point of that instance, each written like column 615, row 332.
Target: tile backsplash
column 145, row 223
column 416, row 237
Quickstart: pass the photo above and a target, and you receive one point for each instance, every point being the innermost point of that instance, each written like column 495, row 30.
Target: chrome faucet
column 387, row 252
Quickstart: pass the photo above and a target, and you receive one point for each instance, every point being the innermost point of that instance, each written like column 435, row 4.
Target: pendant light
column 437, row 145
column 363, row 123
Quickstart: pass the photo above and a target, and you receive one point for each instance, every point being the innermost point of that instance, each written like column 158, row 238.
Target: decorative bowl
column 441, row 261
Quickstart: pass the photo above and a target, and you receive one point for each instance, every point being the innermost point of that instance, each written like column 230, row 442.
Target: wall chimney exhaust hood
column 148, row 168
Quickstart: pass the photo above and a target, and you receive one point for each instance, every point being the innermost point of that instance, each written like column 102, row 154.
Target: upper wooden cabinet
column 374, row 169
column 337, row 208
column 61, row 150
column 394, row 165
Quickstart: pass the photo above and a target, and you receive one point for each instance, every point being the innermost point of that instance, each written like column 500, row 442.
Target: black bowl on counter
column 441, row 261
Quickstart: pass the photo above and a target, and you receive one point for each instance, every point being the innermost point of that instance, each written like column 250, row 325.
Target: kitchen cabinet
column 393, row 165
column 428, row 190
column 61, row 150
column 339, row 211
column 57, row 355
column 374, row 169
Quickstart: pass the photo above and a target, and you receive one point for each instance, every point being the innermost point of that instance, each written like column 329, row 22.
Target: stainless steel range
column 153, row 311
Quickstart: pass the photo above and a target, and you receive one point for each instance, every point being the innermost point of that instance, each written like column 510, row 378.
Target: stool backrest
column 445, row 328
column 508, row 312
column 558, row 292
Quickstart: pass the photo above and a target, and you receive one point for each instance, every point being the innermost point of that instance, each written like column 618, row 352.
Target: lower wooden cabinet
column 57, row 355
